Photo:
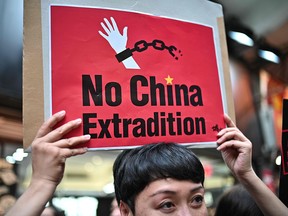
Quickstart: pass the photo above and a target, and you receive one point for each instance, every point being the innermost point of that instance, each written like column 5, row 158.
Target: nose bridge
column 185, row 210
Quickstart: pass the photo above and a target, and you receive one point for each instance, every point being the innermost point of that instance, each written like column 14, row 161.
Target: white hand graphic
column 117, row 41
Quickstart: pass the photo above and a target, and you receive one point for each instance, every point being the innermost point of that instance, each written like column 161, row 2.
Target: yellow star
column 169, row 80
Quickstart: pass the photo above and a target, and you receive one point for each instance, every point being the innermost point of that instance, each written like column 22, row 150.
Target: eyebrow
column 167, row 191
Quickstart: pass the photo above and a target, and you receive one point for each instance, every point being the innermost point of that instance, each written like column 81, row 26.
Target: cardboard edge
column 226, row 70
column 33, row 97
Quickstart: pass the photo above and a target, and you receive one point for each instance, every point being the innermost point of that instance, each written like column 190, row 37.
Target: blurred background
column 257, row 39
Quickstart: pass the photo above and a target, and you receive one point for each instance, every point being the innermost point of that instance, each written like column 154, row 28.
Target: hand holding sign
column 49, row 152
column 236, row 149
column 117, row 41
column 50, row 149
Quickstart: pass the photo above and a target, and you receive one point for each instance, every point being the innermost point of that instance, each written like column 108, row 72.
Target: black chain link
column 143, row 45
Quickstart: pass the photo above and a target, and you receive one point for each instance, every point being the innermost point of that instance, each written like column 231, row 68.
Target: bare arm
column 49, row 153
column 236, row 151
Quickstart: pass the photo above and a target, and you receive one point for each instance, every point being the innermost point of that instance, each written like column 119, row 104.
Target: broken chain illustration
column 143, row 45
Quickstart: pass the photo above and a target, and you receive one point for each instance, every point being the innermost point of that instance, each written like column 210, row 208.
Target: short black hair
column 134, row 169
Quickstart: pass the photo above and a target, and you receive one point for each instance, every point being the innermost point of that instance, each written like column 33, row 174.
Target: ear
column 124, row 209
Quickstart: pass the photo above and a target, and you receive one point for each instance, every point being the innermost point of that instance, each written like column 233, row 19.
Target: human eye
column 197, row 201
column 167, row 206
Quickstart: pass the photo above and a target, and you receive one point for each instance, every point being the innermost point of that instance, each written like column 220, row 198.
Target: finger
column 103, row 35
column 125, row 31
column 229, row 121
column 73, row 141
column 235, row 144
column 59, row 132
column 114, row 24
column 108, row 25
column 73, row 152
column 231, row 135
column 105, row 28
column 226, row 130
column 47, row 126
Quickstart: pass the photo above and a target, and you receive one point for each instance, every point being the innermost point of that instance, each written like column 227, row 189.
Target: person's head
column 114, row 209
column 52, row 211
column 159, row 178
column 237, row 201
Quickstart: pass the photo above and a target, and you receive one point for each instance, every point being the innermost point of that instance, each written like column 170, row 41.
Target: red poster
column 134, row 78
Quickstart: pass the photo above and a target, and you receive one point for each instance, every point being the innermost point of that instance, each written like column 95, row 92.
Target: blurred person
column 237, row 201
column 51, row 210
column 50, row 151
column 114, row 210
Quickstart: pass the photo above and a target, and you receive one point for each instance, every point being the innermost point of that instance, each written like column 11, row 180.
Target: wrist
column 246, row 177
column 45, row 187
column 32, row 202
column 119, row 49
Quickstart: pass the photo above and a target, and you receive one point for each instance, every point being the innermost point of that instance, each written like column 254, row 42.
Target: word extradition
column 161, row 124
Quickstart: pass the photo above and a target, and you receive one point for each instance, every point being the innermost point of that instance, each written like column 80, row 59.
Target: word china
column 143, row 92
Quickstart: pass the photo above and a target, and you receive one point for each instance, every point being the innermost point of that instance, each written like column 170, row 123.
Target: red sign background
column 78, row 49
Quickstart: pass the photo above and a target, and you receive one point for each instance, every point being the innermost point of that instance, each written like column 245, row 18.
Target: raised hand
column 50, row 149
column 49, row 152
column 236, row 149
column 116, row 40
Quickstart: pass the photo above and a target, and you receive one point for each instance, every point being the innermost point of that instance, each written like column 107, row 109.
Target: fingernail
column 87, row 136
column 78, row 121
column 220, row 133
column 61, row 113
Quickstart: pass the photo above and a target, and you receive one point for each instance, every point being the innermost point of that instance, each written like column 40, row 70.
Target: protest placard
column 136, row 72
